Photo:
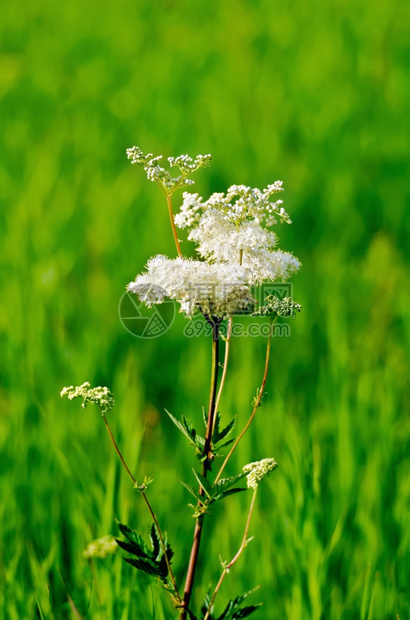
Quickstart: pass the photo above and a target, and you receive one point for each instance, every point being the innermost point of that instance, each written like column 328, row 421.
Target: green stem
column 227, row 567
column 154, row 518
column 225, row 364
column 189, row 582
column 174, row 230
column 255, row 408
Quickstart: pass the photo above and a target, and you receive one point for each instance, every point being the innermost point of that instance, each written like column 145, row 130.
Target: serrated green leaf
column 217, row 422
column 226, row 611
column 133, row 537
column 233, row 491
column 189, row 431
column 220, row 496
column 205, row 417
column 219, row 435
column 146, row 566
column 192, row 491
column 244, row 612
column 205, row 484
column 223, row 445
column 163, row 568
column 179, row 425
column 205, row 603
column 132, row 548
column 155, row 542
column 170, row 552
column 225, row 483
column 233, row 608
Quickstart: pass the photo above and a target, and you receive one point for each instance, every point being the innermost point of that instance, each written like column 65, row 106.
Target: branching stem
column 255, row 408
column 227, row 567
column 154, row 518
column 189, row 582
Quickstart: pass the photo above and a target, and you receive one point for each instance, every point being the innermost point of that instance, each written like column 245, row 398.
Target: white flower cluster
column 231, row 232
column 160, row 175
column 234, row 232
column 258, row 470
column 100, row 396
column 101, row 547
column 187, row 165
column 239, row 204
column 217, row 290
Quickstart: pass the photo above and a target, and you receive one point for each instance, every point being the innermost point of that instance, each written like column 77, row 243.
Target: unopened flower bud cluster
column 257, row 471
column 160, row 175
column 100, row 396
column 101, row 547
column 285, row 307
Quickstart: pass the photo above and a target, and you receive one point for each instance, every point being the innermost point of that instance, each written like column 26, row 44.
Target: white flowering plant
column 237, row 251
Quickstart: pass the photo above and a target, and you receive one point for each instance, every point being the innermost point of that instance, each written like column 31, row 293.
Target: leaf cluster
column 196, row 440
column 212, row 492
column 151, row 561
column 232, row 611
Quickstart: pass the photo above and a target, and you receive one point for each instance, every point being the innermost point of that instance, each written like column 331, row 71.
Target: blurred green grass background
column 315, row 94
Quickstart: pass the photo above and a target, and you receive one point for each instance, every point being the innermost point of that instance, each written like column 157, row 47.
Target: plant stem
column 154, row 518
column 118, row 450
column 225, row 364
column 227, row 567
column 255, row 408
column 205, row 468
column 174, row 230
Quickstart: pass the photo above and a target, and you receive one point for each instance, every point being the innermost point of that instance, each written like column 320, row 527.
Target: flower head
column 233, row 228
column 217, row 290
column 240, row 204
column 258, row 470
column 156, row 173
column 285, row 307
column 100, row 396
column 101, row 547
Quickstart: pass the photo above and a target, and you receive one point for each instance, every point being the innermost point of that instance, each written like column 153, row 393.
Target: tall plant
column 237, row 254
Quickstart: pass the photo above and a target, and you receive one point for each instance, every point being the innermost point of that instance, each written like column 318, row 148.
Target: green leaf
column 223, row 445
column 163, row 568
column 205, row 604
column 188, row 430
column 133, row 537
column 146, row 566
column 155, row 542
column 233, row 611
column 244, row 612
column 205, row 484
column 170, row 552
column 132, row 548
column 205, row 417
column 226, row 483
column 230, row 492
column 150, row 562
column 179, row 425
column 192, row 491
column 219, row 435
